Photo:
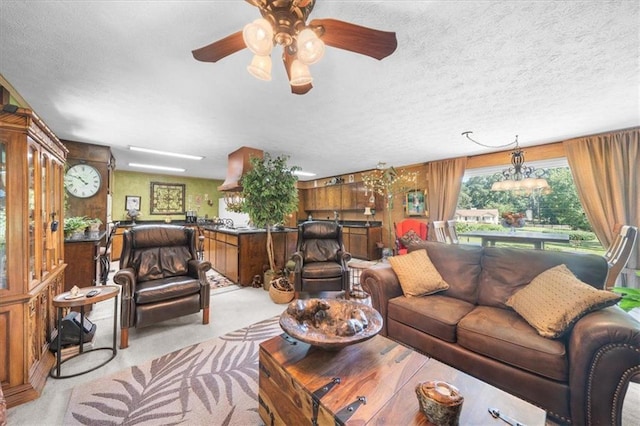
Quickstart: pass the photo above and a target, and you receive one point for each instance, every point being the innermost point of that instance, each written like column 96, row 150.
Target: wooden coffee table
column 372, row 382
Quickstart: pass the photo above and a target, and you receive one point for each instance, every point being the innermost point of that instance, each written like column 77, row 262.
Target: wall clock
column 82, row 181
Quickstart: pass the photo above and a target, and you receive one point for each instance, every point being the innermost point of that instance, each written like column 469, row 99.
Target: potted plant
column 270, row 193
column 94, row 224
column 74, row 227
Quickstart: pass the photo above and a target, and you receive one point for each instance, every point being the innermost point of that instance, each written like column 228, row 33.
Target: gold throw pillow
column 417, row 275
column 556, row 299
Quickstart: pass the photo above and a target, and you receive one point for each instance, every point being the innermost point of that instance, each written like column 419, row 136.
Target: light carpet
column 213, row 382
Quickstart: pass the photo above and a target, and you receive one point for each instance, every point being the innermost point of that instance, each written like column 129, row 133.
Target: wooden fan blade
column 366, row 41
column 220, row 49
column 287, row 59
column 256, row 3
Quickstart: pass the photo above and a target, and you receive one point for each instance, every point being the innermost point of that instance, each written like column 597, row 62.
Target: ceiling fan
column 284, row 22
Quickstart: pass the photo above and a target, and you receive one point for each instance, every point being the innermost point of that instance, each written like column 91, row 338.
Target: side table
column 62, row 301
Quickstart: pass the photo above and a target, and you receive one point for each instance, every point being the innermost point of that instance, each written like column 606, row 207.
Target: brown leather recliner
column 161, row 277
column 321, row 260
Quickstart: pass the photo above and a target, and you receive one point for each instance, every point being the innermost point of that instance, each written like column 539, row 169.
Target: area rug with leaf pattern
column 213, row 382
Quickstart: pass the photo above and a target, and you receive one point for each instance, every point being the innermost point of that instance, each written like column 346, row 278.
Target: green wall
column 139, row 184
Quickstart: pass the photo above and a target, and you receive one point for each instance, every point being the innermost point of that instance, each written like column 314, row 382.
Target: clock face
column 82, row 181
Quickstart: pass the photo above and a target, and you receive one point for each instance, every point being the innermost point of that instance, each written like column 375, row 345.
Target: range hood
column 237, row 165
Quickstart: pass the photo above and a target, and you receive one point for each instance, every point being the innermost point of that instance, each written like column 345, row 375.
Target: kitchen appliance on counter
column 191, row 216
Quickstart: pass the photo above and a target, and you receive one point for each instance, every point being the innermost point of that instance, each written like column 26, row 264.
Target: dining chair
column 453, row 234
column 439, row 228
column 105, row 253
column 619, row 251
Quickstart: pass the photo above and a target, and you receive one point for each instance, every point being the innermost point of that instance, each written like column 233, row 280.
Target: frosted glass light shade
column 300, row 74
column 260, row 67
column 310, row 47
column 258, row 36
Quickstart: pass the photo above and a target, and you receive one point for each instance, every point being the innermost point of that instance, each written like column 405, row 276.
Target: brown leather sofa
column 580, row 378
column 161, row 277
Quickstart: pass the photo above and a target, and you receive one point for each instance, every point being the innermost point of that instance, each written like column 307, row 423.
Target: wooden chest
column 303, row 385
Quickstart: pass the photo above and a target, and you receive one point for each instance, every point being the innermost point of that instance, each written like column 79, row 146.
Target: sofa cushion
column 506, row 270
column 459, row 265
column 321, row 270
column 416, row 274
column 410, row 237
column 436, row 315
column 320, row 250
column 165, row 289
column 503, row 335
column 556, row 299
column 160, row 262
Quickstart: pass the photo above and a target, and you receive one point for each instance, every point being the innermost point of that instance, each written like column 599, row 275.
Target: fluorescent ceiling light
column 301, row 173
column 167, row 153
column 151, row 166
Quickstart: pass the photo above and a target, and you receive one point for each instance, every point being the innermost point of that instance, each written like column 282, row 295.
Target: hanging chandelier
column 518, row 177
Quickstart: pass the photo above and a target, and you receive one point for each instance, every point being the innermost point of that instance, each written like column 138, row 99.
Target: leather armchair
column 161, row 277
column 320, row 259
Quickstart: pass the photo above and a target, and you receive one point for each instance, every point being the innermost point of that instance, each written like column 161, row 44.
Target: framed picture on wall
column 132, row 202
column 415, row 203
column 167, row 198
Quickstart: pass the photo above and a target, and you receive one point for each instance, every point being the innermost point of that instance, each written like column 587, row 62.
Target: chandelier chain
column 467, row 133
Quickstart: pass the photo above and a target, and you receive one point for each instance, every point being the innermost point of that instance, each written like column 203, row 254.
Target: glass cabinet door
column 3, row 216
column 31, row 209
column 44, row 175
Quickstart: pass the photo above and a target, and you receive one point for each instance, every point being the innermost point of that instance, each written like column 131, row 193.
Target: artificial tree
column 388, row 183
column 270, row 193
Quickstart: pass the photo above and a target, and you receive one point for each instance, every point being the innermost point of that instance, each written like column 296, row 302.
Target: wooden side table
column 62, row 301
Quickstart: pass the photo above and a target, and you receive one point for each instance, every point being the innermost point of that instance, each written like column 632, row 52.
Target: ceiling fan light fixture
column 300, row 74
column 310, row 47
column 258, row 36
column 260, row 67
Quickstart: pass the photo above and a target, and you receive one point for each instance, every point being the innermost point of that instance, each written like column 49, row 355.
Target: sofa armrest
column 344, row 257
column 604, row 353
column 127, row 279
column 198, row 269
column 382, row 284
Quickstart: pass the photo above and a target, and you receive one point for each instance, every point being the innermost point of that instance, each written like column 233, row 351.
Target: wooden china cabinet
column 31, row 250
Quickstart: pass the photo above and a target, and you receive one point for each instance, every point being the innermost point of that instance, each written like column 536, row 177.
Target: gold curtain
column 605, row 170
column 444, row 179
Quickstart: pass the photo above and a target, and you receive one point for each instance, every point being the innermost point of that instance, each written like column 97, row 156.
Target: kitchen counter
column 88, row 237
column 241, row 254
column 243, row 230
column 352, row 223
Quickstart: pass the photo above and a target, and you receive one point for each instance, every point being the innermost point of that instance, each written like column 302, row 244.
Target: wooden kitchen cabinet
column 361, row 241
column 240, row 256
column 83, row 267
column 342, row 197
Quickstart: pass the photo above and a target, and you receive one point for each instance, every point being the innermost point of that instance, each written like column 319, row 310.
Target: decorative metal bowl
column 330, row 324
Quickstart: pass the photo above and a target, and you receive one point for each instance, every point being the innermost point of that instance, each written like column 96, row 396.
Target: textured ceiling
column 121, row 73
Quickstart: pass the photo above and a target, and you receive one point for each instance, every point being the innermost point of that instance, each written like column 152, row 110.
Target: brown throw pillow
column 417, row 275
column 409, row 237
column 556, row 299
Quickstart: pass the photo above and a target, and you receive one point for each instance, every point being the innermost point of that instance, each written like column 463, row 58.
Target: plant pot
column 280, row 296
column 77, row 235
column 269, row 275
